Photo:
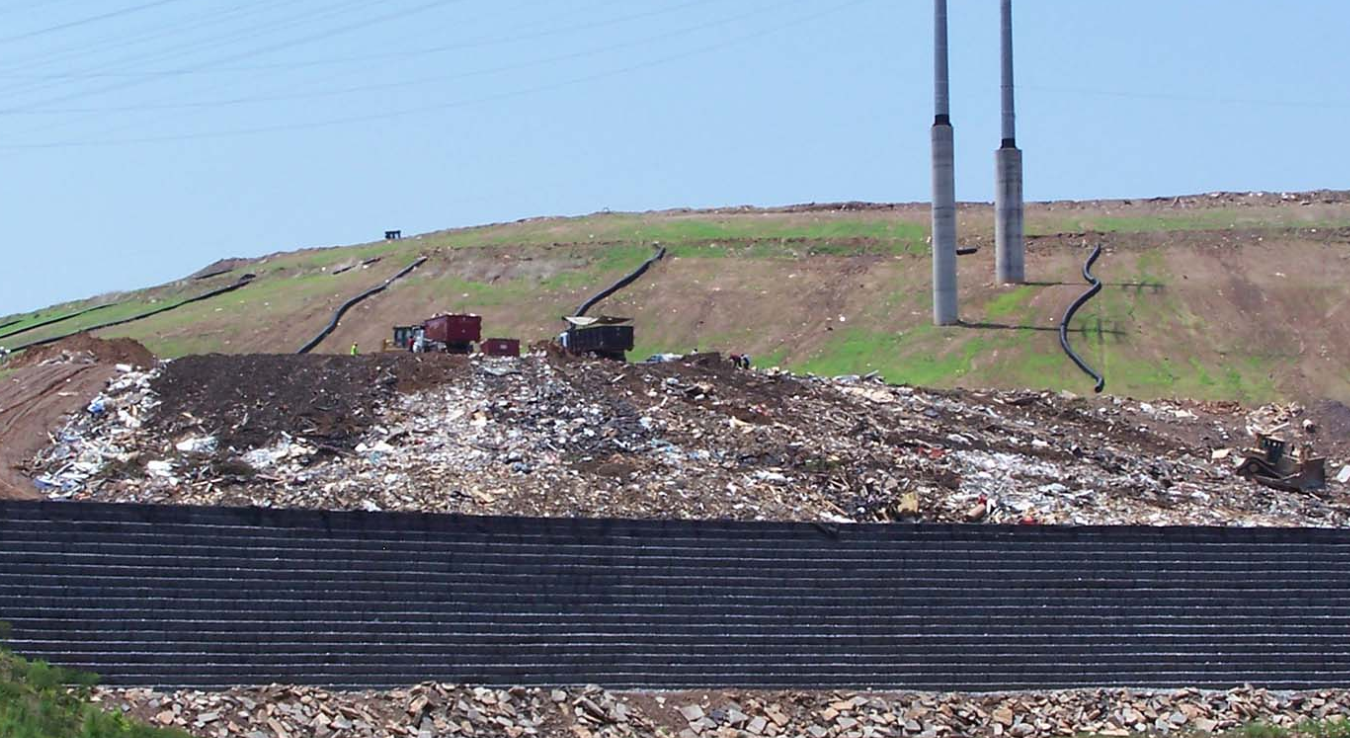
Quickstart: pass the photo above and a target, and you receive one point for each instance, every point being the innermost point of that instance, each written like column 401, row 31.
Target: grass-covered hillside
column 1238, row 297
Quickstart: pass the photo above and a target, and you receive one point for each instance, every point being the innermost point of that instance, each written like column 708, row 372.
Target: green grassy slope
column 1242, row 301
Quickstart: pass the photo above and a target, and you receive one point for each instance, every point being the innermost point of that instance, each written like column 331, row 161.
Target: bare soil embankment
column 45, row 386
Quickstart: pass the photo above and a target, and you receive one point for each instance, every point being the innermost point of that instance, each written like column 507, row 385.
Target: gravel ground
column 447, row 710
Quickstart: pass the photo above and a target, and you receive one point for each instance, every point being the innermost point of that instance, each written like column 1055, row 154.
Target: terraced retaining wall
column 208, row 597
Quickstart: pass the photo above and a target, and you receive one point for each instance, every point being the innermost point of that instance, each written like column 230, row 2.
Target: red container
column 500, row 347
column 454, row 328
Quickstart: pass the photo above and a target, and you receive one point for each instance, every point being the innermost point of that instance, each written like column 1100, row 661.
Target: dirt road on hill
column 32, row 402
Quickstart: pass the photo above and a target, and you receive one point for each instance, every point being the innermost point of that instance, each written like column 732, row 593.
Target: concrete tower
column 944, row 179
column 1009, row 245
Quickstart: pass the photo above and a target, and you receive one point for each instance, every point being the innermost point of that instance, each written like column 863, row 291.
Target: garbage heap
column 698, row 437
column 98, row 442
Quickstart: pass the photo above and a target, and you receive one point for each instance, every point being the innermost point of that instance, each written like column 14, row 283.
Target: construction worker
column 355, row 349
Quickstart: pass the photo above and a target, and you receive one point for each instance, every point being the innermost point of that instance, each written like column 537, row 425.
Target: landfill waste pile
column 95, row 441
column 692, row 437
column 43, row 386
column 238, row 397
column 445, row 710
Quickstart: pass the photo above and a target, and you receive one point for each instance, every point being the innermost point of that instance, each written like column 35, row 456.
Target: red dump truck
column 453, row 334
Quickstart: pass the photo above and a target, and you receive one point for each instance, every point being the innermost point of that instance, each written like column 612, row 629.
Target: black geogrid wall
column 204, row 597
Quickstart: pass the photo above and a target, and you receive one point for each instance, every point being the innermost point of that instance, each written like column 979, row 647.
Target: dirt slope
column 32, row 402
column 1223, row 296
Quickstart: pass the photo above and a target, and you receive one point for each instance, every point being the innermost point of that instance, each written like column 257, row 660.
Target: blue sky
column 142, row 139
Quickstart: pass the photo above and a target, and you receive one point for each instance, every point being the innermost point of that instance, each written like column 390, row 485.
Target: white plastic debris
column 197, row 445
column 159, row 468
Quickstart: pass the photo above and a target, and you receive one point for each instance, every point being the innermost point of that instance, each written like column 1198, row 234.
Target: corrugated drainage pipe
column 661, row 252
column 87, row 329
column 1068, row 315
column 344, row 307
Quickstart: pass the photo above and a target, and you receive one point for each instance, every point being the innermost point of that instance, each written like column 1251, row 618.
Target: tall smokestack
column 944, row 180
column 1009, row 245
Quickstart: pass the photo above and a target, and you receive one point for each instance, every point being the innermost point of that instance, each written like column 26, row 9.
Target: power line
column 386, row 115
column 303, row 19
column 32, row 6
column 120, row 39
column 424, row 80
column 480, row 42
column 308, row 39
column 194, row 46
column 86, row 21
column 546, row 21
column 188, row 47
column 407, row 53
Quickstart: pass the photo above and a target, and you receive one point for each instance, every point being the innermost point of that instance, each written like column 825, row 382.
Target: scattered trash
column 159, row 468
column 90, row 441
column 692, row 438
column 499, row 369
column 202, row 445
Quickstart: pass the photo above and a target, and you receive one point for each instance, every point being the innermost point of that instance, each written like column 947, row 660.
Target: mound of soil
column 84, row 348
column 249, row 401
column 222, row 266
column 1333, row 421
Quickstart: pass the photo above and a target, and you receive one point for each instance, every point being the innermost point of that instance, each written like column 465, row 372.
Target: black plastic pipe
column 50, row 321
column 206, row 296
column 344, row 307
column 1068, row 315
column 661, row 252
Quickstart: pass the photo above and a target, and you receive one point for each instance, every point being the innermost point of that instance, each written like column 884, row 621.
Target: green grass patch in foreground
column 1336, row 727
column 42, row 701
column 1331, row 728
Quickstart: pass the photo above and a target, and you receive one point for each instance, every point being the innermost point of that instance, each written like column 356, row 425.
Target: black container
column 606, row 340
